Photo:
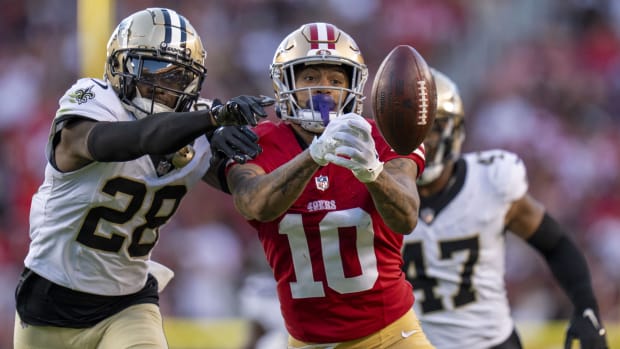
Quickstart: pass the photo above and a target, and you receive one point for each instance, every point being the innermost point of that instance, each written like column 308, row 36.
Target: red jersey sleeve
column 386, row 153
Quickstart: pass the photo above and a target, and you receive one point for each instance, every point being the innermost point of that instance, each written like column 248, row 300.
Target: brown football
column 404, row 99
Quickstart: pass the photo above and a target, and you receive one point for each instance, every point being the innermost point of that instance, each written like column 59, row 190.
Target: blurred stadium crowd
column 538, row 77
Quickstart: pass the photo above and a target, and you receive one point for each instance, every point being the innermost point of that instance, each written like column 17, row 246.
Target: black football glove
column 241, row 110
column 586, row 328
column 234, row 142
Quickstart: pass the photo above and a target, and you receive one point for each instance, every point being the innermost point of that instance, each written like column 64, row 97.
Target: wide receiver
column 455, row 256
column 331, row 201
column 122, row 153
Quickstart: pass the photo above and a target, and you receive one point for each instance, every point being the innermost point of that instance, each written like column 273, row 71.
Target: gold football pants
column 137, row 327
column 404, row 333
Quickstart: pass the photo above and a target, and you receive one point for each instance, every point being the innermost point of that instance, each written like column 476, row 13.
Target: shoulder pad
column 93, row 99
column 506, row 173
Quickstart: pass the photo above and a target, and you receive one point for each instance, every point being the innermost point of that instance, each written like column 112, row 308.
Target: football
column 404, row 99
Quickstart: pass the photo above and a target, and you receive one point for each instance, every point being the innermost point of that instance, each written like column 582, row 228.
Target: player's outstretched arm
column 528, row 219
column 395, row 195
column 266, row 196
column 84, row 140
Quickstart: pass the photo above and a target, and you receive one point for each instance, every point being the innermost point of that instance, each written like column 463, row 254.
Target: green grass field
column 234, row 334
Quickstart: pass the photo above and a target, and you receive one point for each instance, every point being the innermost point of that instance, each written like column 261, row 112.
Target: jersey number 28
column 89, row 236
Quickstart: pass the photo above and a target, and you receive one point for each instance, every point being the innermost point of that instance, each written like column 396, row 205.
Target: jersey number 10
column 305, row 285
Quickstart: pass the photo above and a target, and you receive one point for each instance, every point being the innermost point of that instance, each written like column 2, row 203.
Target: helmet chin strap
column 312, row 120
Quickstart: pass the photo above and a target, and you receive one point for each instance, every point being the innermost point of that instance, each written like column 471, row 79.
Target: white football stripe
column 322, row 32
column 175, row 22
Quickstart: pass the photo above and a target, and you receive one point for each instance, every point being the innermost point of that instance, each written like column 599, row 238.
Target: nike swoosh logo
column 407, row 334
column 103, row 86
column 589, row 314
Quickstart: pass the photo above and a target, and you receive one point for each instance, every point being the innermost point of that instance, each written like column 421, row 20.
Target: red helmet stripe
column 322, row 36
column 331, row 37
column 314, row 37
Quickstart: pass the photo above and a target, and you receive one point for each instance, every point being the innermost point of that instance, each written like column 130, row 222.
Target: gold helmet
column 444, row 141
column 155, row 62
column 317, row 43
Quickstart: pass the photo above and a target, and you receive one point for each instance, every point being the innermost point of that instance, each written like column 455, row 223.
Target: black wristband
column 158, row 134
column 219, row 163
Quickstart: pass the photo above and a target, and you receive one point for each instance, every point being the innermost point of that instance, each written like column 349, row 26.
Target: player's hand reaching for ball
column 234, row 142
column 355, row 148
column 241, row 110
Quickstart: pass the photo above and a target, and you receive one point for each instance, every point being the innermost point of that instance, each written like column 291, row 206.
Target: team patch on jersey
column 322, row 183
column 82, row 95
column 321, row 205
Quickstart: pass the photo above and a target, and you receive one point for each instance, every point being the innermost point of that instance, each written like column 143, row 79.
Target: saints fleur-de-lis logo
column 82, row 95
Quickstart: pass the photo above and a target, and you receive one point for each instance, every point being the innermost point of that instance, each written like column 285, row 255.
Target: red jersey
column 336, row 263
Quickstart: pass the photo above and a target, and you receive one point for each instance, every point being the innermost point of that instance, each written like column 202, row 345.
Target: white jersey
column 93, row 229
column 455, row 256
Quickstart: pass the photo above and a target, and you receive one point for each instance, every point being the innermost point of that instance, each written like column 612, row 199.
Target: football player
column 122, row 153
column 331, row 201
column 455, row 256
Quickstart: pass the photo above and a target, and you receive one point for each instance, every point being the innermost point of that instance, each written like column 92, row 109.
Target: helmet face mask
column 155, row 62
column 319, row 44
column 444, row 141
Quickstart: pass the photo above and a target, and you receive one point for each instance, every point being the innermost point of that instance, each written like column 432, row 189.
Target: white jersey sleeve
column 455, row 256
column 91, row 99
column 507, row 175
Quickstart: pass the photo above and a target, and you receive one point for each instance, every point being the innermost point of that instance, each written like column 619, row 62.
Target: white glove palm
column 326, row 143
column 355, row 148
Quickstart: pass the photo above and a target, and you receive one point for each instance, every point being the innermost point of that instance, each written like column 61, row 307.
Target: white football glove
column 326, row 143
column 355, row 149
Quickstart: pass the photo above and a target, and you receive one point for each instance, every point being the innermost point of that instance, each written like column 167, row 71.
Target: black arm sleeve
column 158, row 134
column 566, row 262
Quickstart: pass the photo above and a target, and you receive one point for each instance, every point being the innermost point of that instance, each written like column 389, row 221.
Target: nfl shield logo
column 322, row 183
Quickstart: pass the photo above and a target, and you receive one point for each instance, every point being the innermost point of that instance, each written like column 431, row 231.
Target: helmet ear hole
column 129, row 90
column 114, row 64
column 127, row 83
